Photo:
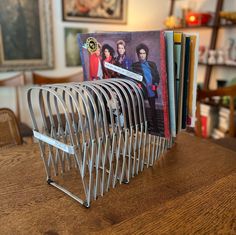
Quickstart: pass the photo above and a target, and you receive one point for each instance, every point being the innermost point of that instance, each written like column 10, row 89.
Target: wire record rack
column 94, row 132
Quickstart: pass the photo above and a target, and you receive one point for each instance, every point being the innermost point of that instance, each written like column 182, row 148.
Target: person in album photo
column 151, row 78
column 108, row 56
column 122, row 60
column 95, row 65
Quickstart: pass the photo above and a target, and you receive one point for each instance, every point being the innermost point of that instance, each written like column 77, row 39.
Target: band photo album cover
column 138, row 56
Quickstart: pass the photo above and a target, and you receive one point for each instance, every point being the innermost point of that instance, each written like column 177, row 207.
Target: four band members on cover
column 151, row 78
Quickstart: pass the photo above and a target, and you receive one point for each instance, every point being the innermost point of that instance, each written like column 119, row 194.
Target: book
column 223, row 123
column 225, row 112
column 209, row 119
column 217, row 134
column 224, row 119
column 138, row 56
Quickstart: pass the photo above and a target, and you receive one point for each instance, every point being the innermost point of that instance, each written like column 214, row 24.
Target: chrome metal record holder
column 95, row 130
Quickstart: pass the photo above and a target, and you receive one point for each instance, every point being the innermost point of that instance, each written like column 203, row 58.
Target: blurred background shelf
column 219, row 65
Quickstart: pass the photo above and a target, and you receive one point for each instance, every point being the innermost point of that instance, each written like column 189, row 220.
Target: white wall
column 141, row 15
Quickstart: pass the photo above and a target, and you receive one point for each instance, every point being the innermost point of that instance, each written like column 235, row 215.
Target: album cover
column 192, row 84
column 169, row 36
column 138, row 56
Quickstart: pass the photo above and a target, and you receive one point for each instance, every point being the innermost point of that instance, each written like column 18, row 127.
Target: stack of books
column 223, row 123
column 209, row 119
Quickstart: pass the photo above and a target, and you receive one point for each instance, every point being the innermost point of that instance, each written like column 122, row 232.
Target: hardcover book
column 138, row 56
column 208, row 119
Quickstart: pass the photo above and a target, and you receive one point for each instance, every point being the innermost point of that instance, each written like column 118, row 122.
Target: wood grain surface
column 191, row 190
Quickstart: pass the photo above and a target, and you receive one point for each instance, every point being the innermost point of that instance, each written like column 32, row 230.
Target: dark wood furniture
column 190, row 191
column 18, row 81
column 9, row 129
column 42, row 79
column 224, row 91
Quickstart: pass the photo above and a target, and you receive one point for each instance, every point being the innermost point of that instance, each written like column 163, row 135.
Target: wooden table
column 191, row 190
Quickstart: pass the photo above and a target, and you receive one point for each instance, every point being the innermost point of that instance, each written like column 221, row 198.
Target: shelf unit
column 218, row 65
column 207, row 26
column 214, row 34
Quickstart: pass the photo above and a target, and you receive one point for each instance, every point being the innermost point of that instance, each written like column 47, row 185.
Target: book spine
column 204, row 126
column 164, row 84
